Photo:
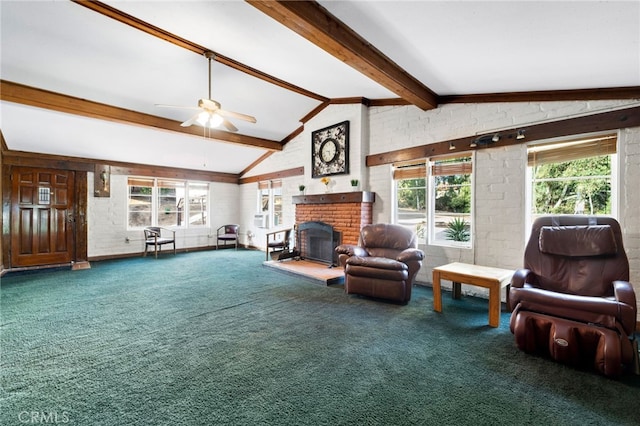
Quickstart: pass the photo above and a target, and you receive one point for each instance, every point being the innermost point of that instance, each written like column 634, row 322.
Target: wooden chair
column 157, row 237
column 227, row 233
column 278, row 244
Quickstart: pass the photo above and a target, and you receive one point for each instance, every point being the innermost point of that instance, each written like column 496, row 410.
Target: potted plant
column 301, row 188
column 354, row 184
column 457, row 230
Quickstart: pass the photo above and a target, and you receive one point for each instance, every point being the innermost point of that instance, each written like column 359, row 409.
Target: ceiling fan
column 210, row 114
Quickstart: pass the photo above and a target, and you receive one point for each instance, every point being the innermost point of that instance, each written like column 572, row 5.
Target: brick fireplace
column 347, row 212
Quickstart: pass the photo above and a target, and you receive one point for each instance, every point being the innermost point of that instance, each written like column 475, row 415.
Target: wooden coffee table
column 483, row 276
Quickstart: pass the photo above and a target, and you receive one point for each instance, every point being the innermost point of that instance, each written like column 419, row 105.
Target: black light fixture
column 520, row 134
column 484, row 140
column 451, row 146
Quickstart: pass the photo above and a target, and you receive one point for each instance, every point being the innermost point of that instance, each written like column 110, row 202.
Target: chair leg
column 156, row 248
column 174, row 248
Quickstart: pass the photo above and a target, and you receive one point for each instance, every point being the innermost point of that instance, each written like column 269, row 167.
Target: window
column 140, row 205
column 572, row 177
column 450, row 189
column 163, row 202
column 411, row 196
column 198, row 195
column 170, row 203
column 270, row 202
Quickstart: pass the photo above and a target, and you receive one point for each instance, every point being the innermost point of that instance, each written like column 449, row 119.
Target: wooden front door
column 42, row 217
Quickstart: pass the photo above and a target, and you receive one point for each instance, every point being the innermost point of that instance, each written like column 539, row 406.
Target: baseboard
column 163, row 253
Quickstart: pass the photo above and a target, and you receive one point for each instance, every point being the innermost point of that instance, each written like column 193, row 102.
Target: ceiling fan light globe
column 203, row 118
column 215, row 120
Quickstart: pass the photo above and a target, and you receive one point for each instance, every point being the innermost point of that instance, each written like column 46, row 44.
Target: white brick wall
column 107, row 220
column 629, row 207
column 297, row 153
column 500, row 175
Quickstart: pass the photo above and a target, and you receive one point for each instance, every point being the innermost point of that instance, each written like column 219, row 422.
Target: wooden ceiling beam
column 63, row 162
column 26, row 95
column 316, row 24
column 632, row 92
column 141, row 25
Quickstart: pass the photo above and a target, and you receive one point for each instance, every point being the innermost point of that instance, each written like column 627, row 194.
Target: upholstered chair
column 156, row 237
column 572, row 301
column 227, row 233
column 383, row 264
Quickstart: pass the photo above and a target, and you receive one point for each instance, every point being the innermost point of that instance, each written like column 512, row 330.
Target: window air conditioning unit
column 260, row 220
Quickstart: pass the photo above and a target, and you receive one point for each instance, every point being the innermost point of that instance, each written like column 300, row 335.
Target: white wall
column 297, row 153
column 107, row 220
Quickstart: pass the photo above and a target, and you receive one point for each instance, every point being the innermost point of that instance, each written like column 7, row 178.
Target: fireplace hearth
column 317, row 241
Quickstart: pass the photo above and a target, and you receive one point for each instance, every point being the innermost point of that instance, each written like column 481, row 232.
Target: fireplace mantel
column 338, row 197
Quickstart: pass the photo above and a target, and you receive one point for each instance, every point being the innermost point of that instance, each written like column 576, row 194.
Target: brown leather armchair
column 383, row 264
column 573, row 301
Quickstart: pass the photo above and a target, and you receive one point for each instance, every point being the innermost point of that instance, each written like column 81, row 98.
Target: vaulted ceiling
column 83, row 79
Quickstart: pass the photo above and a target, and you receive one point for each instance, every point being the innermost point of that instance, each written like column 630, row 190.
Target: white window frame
column 396, row 170
column 273, row 190
column 615, row 173
column 432, row 203
column 155, row 197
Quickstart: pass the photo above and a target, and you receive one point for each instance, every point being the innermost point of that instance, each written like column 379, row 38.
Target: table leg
column 437, row 293
column 494, row 305
column 456, row 290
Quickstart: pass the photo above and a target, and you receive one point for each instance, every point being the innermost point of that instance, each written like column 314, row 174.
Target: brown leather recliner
column 573, row 301
column 383, row 264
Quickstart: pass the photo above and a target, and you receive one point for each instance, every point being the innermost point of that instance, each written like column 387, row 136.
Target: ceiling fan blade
column 237, row 115
column 191, row 121
column 176, row 106
column 229, row 125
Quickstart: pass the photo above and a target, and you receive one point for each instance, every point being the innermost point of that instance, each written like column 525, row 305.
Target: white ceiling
column 452, row 47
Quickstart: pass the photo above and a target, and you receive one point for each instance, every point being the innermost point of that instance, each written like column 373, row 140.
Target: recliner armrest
column 626, row 296
column 410, row 254
column 377, row 263
column 351, row 250
column 521, row 277
column 624, row 292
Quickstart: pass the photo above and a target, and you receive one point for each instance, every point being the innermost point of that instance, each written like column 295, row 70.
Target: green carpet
column 215, row 338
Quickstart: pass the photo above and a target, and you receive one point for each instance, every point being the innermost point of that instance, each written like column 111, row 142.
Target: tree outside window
column 573, row 187
column 573, row 177
column 411, row 209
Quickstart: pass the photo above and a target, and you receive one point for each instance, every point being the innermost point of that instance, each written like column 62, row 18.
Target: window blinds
column 576, row 149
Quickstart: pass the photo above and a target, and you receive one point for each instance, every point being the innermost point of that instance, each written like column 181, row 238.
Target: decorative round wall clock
column 330, row 150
